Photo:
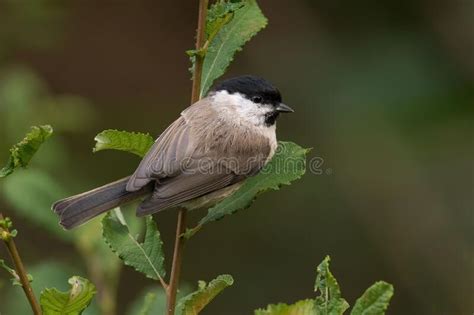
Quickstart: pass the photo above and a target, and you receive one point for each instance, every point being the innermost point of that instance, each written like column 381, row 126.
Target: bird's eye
column 257, row 99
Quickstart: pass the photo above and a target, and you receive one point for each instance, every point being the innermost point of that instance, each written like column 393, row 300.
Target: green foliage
column 6, row 223
column 6, row 229
column 146, row 257
column 329, row 302
column 230, row 25
column 46, row 274
column 25, row 100
column 375, row 300
column 305, row 307
column 73, row 302
column 218, row 15
column 133, row 142
column 195, row 302
column 22, row 152
column 287, row 165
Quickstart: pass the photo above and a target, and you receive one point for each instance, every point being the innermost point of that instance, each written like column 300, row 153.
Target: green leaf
column 330, row 301
column 73, row 302
column 48, row 273
column 195, row 302
column 22, row 152
column 288, row 164
column 218, row 15
column 146, row 257
column 234, row 25
column 133, row 142
column 305, row 307
column 375, row 300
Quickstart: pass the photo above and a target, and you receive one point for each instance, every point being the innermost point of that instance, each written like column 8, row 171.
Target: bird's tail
column 78, row 209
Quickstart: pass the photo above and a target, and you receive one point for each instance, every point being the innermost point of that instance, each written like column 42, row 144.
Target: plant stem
column 21, row 271
column 172, row 289
column 200, row 42
column 177, row 259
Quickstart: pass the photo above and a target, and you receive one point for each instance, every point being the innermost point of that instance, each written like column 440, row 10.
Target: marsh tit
column 217, row 142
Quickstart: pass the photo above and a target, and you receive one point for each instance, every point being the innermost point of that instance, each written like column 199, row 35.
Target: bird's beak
column 283, row 108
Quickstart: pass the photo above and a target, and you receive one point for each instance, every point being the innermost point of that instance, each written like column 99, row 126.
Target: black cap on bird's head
column 256, row 89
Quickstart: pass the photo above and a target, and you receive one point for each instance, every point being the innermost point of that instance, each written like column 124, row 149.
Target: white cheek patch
column 241, row 109
column 241, row 112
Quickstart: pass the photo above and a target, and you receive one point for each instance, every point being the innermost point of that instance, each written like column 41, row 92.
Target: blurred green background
column 383, row 92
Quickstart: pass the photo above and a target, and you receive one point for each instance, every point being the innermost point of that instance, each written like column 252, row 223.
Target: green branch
column 181, row 224
column 7, row 236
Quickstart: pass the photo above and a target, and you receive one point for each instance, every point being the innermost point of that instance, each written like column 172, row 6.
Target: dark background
column 383, row 94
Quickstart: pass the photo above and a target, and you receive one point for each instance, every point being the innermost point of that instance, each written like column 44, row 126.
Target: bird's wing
column 165, row 156
column 194, row 156
column 202, row 176
column 179, row 143
column 184, row 187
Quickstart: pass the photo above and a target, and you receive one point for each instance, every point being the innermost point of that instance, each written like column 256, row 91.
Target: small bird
column 218, row 141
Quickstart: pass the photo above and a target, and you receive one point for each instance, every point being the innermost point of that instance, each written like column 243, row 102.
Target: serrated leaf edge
column 259, row 192
column 205, row 85
column 100, row 137
column 157, row 273
column 390, row 293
